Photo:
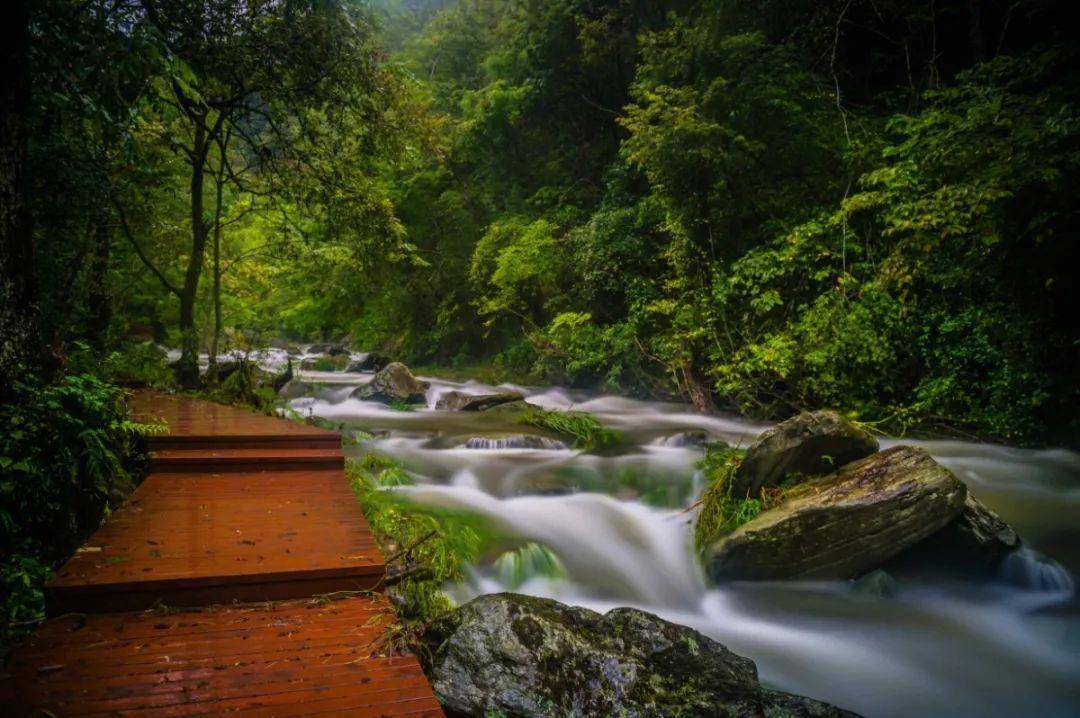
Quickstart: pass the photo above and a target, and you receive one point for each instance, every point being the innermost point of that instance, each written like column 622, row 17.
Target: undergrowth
column 720, row 512
column 431, row 546
column 68, row 452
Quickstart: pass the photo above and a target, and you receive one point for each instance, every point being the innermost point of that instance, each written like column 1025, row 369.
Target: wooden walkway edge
column 203, row 594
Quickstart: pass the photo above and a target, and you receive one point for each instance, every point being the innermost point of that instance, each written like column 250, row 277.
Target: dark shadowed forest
column 754, row 208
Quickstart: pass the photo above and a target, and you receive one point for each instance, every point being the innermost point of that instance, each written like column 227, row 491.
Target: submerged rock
column 393, row 383
column 514, row 655
column 843, row 524
column 810, row 443
column 685, row 439
column 876, row 583
column 457, row 401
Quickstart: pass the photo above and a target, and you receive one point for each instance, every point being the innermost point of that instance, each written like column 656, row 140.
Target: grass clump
column 583, row 429
column 721, row 512
column 428, row 547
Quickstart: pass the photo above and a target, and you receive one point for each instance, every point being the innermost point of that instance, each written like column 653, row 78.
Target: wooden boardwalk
column 238, row 508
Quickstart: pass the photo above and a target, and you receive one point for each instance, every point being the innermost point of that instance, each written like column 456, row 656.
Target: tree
column 255, row 81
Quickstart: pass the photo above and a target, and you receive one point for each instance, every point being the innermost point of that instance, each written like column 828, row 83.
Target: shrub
column 67, row 452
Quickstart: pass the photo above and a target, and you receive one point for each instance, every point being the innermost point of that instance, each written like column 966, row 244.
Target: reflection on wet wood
column 238, row 508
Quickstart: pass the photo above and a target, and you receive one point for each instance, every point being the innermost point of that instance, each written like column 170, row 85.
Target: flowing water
column 620, row 529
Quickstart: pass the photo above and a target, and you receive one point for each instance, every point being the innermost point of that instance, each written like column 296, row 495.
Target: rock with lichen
column 513, row 655
column 394, row 383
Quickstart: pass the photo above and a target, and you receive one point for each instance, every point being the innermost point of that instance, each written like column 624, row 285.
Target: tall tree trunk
column 16, row 245
column 697, row 389
column 187, row 369
column 216, row 337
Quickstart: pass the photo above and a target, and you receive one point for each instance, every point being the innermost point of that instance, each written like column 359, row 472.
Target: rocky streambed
column 939, row 611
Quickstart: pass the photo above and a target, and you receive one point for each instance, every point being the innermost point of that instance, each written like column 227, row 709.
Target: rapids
column 621, row 531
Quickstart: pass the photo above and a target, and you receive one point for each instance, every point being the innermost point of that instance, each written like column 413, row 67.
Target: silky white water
column 621, row 531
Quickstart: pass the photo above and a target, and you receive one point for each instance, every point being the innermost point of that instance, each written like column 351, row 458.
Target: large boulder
column 392, row 384
column 513, row 655
column 457, row 401
column 845, row 523
column 808, row 444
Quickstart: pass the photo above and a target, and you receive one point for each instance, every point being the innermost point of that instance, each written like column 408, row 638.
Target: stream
column 620, row 528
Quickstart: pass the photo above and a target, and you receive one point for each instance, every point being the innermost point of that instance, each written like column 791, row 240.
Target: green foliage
column 402, row 526
column 583, row 429
column 719, row 512
column 245, row 387
column 139, row 364
column 67, row 451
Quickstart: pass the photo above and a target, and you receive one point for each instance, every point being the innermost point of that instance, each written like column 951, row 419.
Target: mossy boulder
column 458, row 401
column 808, row 444
column 845, row 523
column 394, row 383
column 513, row 655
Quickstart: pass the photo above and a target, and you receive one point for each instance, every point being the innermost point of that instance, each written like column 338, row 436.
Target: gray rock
column 876, row 583
column 393, row 383
column 810, row 443
column 457, row 401
column 686, row 439
column 329, row 348
column 513, row 655
column 846, row 523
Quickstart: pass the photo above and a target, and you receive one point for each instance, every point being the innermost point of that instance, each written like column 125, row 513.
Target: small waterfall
column 1031, row 570
column 515, row 441
column 528, row 561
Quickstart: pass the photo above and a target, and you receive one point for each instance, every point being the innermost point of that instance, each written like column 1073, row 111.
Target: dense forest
column 760, row 207
column 754, row 207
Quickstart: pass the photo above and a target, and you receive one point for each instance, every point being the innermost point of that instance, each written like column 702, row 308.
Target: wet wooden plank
column 290, row 658
column 207, row 459
column 192, row 422
column 238, row 507
column 196, row 538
